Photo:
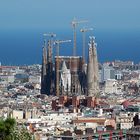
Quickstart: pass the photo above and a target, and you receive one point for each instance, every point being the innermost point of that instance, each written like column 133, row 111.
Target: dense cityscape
column 68, row 98
column 69, row 70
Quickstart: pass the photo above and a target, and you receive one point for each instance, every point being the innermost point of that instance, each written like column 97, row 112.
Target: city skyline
column 69, row 69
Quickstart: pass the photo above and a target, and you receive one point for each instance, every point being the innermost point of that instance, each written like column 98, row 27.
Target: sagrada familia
column 70, row 75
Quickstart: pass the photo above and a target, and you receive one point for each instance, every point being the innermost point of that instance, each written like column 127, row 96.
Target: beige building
column 110, row 86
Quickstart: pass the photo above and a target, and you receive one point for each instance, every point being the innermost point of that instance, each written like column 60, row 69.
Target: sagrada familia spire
column 44, row 70
column 92, row 70
column 47, row 74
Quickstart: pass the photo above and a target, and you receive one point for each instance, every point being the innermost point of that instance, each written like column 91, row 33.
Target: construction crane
column 74, row 24
column 84, row 30
column 58, row 42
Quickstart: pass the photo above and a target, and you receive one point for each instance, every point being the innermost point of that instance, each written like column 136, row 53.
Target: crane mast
column 74, row 24
column 58, row 42
column 83, row 31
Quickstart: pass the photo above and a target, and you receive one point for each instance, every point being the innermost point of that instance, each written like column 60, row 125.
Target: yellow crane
column 58, row 42
column 84, row 30
column 74, row 24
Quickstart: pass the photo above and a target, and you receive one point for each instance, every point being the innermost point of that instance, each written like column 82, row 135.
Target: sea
column 24, row 47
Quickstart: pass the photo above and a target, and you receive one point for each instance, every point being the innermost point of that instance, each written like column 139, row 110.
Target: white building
column 124, row 121
column 107, row 72
column 35, row 79
column 110, row 86
column 118, row 75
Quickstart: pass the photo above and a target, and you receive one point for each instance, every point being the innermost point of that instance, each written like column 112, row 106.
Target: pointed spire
column 44, row 69
column 92, row 71
column 44, row 58
column 64, row 67
column 49, row 52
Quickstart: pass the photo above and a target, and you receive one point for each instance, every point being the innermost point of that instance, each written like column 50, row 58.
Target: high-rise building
column 92, row 70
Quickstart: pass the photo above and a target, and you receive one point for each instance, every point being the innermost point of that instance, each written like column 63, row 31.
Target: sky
column 50, row 14
column 115, row 23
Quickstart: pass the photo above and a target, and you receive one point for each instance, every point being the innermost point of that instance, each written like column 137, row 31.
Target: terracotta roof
column 90, row 120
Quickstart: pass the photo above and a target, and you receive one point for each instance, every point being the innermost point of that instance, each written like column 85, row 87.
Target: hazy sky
column 116, row 26
column 39, row 14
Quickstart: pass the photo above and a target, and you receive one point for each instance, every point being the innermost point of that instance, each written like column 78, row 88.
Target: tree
column 2, row 129
column 10, row 131
column 6, row 127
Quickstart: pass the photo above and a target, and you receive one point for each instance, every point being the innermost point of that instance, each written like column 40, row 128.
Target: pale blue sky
column 116, row 26
column 57, row 14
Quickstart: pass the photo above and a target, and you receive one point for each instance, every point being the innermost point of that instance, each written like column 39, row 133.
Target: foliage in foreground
column 10, row 131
